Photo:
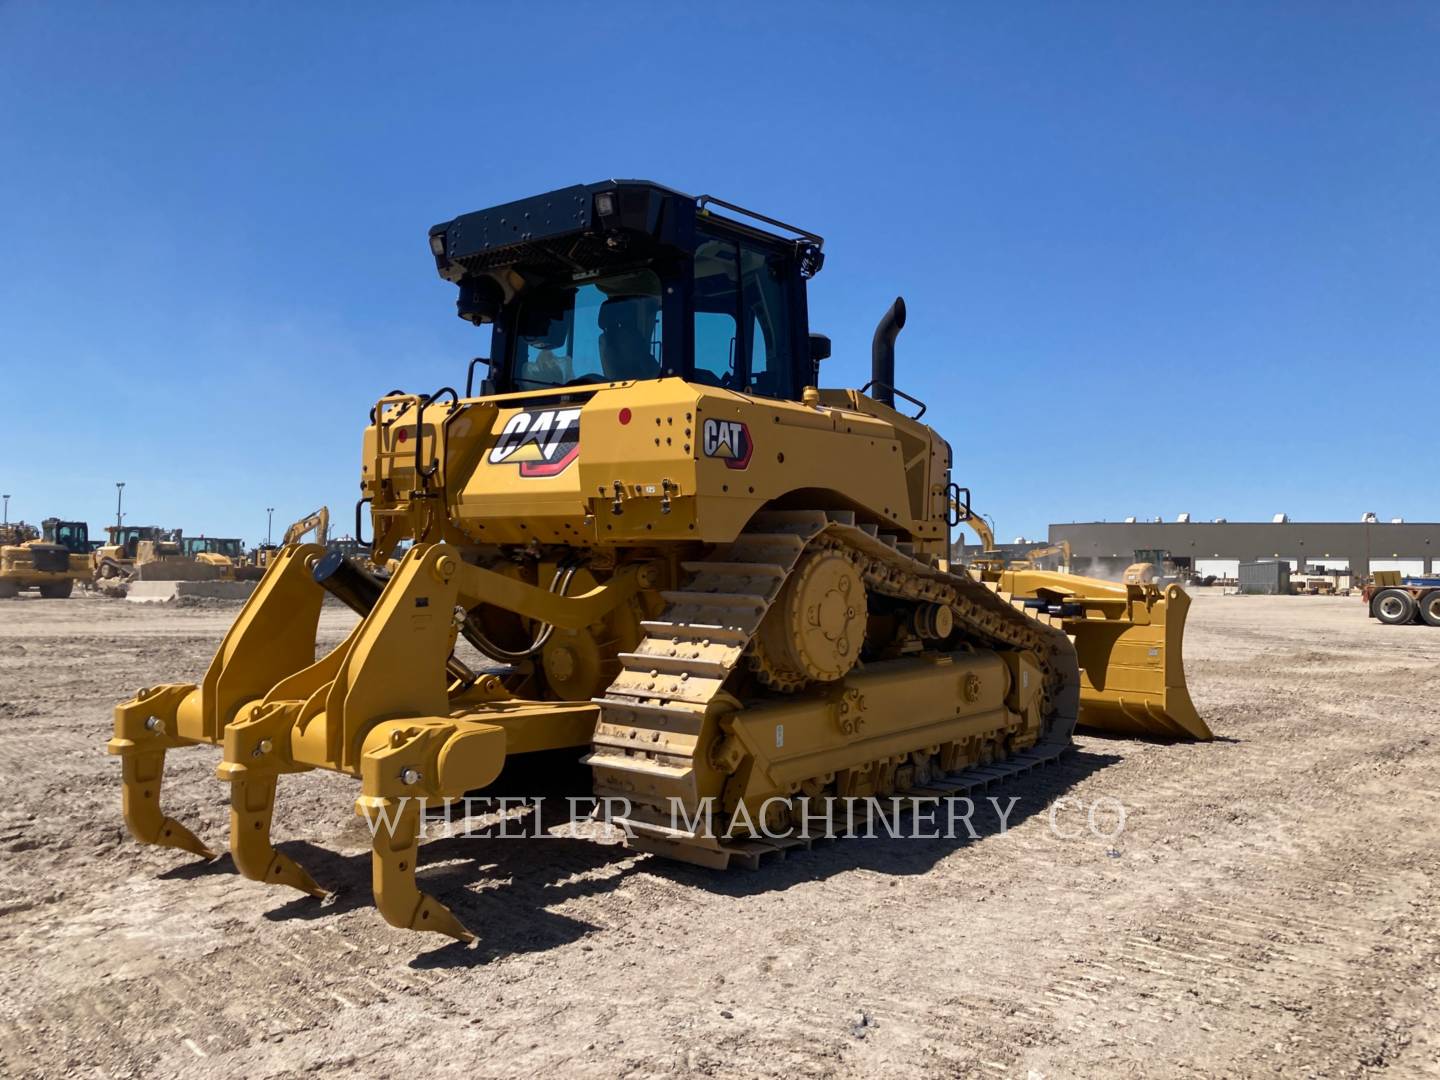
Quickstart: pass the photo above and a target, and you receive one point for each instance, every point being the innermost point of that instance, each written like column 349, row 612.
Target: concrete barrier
column 160, row 592
column 177, row 570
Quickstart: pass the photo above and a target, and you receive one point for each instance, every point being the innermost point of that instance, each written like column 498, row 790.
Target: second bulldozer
column 725, row 587
column 129, row 547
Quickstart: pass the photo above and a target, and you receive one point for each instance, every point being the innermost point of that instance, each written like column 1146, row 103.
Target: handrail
column 391, row 394
column 707, row 200
column 895, row 390
column 358, row 538
column 425, row 472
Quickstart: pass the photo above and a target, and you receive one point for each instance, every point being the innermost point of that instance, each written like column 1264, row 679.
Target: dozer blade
column 1129, row 640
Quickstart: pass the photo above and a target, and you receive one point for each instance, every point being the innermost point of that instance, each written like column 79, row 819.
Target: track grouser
column 726, row 588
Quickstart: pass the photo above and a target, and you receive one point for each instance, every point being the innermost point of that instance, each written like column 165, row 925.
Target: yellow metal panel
column 535, row 725
column 274, row 637
column 396, row 666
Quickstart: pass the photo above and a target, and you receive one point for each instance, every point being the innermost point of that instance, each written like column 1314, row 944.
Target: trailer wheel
column 1393, row 606
column 1430, row 607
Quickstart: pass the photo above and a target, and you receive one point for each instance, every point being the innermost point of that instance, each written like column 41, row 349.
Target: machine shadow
column 504, row 887
column 1117, row 739
column 523, row 879
column 500, row 881
column 198, row 868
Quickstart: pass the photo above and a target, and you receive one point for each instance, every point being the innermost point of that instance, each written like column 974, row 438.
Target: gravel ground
column 1270, row 907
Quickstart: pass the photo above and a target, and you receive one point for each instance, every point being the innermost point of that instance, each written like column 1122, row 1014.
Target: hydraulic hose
column 470, row 628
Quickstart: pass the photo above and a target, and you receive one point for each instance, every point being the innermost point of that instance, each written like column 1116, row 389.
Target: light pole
column 269, row 518
column 119, row 496
column 7, row 510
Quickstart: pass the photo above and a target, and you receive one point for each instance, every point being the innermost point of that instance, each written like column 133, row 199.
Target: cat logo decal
column 728, row 440
column 541, row 443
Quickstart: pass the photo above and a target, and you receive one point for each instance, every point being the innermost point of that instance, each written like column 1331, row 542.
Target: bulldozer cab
column 627, row 280
column 128, row 537
column 210, row 545
column 73, row 536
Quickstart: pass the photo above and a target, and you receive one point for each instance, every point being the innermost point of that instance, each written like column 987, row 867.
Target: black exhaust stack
column 882, row 353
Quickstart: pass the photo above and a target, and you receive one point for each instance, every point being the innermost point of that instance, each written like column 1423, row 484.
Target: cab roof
column 528, row 230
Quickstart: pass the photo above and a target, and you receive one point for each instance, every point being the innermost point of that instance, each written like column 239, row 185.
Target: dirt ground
column 1271, row 907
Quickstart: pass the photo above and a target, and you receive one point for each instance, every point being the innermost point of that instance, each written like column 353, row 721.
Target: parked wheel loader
column 723, row 585
column 50, row 559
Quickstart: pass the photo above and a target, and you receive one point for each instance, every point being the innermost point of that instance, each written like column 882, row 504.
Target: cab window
column 766, row 312
column 717, row 276
column 742, row 319
column 604, row 330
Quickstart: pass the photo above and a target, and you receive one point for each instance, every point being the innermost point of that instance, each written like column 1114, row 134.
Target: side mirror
column 487, row 384
column 819, row 347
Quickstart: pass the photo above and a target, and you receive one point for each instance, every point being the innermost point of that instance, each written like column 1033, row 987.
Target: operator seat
column 625, row 326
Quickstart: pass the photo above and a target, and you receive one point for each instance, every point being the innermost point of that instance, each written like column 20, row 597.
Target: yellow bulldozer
column 50, row 559
column 155, row 554
column 727, row 588
column 128, row 547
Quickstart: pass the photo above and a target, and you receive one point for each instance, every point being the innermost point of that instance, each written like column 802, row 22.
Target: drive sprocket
column 816, row 628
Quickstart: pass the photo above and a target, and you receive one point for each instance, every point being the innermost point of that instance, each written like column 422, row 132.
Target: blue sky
column 1157, row 257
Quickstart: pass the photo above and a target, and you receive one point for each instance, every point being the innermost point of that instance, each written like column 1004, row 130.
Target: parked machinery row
column 54, row 557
